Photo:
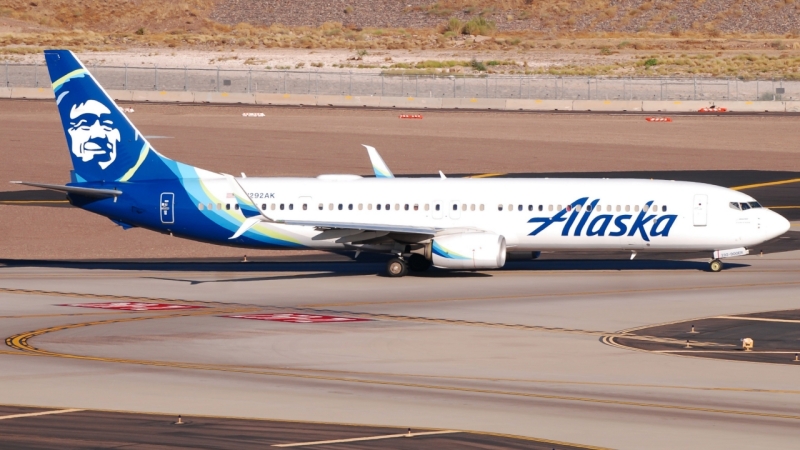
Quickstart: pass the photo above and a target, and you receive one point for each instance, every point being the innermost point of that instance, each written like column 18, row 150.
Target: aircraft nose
column 776, row 225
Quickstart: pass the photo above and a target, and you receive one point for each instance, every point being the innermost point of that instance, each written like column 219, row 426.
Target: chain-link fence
column 398, row 85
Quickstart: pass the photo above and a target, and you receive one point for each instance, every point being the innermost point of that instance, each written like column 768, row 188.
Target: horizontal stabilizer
column 88, row 192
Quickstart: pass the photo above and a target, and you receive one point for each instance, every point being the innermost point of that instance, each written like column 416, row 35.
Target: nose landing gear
column 715, row 265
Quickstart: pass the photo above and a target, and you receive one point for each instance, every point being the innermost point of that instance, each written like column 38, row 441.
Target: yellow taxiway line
column 771, row 183
column 368, row 438
column 41, row 413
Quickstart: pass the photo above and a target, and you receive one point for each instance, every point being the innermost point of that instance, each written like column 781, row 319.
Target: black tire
column 418, row 263
column 715, row 265
column 396, row 268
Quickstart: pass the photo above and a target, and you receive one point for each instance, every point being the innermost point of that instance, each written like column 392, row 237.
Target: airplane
column 450, row 223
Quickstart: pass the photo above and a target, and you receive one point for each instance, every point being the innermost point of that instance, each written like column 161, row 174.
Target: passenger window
column 320, row 206
column 499, row 207
column 350, row 207
column 627, row 208
column 405, row 207
column 472, row 207
column 569, row 207
column 378, row 206
column 397, row 207
column 236, row 206
column 510, row 208
column 481, row 207
column 519, row 208
column 663, row 208
column 588, row 207
column 436, row 207
column 369, row 206
column 559, row 207
column 549, row 207
column 211, row 206
column 201, row 207
column 340, row 207
column 455, row 207
column 541, row 207
column 263, row 206
column 281, row 207
column 227, row 207
column 464, row 207
column 387, row 207
column 291, row 206
column 636, row 208
column 427, row 207
column 530, row 207
column 272, row 206
column 416, row 207
column 608, row 208
column 219, row 206
column 655, row 208
column 360, row 206
column 330, row 206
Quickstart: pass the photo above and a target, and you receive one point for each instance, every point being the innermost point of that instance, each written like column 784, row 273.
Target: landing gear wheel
column 715, row 265
column 418, row 263
column 396, row 267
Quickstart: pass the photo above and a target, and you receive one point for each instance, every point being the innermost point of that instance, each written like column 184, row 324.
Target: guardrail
column 297, row 82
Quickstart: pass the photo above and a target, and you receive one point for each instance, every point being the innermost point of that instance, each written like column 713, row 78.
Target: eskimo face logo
column 92, row 133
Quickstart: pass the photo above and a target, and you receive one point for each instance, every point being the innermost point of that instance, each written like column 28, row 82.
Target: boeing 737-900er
column 463, row 223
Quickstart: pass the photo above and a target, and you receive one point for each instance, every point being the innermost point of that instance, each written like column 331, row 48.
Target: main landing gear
column 715, row 265
column 398, row 267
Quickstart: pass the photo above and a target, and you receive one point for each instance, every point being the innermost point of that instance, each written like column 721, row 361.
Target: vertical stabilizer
column 103, row 143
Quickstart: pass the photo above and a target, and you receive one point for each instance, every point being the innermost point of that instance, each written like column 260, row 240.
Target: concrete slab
column 224, row 97
column 286, row 99
column 474, row 103
column 348, row 100
column 606, row 105
column 32, row 93
column 514, row 104
column 411, row 102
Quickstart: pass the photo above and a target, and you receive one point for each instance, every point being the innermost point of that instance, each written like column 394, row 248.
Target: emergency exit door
column 700, row 210
column 167, row 207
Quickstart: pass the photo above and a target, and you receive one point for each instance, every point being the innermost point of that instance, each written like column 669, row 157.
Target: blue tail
column 103, row 143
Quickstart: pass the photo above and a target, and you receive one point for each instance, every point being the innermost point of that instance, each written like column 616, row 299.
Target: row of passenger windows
column 455, row 207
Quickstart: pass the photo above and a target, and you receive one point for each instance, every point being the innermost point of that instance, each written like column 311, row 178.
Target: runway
column 515, row 352
column 129, row 329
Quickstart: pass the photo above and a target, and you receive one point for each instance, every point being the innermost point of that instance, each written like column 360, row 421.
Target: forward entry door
column 700, row 210
column 167, row 207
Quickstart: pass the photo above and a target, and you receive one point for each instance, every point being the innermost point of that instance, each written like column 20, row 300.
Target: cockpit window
column 744, row 206
column 754, row 205
column 735, row 205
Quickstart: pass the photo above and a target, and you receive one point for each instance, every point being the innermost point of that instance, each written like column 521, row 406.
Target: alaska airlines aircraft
column 450, row 223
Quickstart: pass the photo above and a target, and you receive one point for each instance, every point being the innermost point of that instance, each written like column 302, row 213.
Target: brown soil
column 310, row 141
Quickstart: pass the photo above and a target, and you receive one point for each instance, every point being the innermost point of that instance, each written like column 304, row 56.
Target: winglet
column 441, row 174
column 378, row 166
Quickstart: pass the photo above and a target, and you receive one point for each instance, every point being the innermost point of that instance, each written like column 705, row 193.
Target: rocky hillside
column 713, row 17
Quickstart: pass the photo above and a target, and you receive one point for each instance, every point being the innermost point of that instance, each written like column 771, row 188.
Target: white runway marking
column 42, row 413
column 369, row 438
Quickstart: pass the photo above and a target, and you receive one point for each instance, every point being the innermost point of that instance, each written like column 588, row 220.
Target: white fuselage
column 532, row 214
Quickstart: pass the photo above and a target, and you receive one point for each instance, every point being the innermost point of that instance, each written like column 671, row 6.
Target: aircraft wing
column 89, row 192
column 358, row 227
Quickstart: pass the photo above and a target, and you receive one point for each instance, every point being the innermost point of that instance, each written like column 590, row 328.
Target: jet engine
column 468, row 251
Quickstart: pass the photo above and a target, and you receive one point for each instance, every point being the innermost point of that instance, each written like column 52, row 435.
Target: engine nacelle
column 469, row 251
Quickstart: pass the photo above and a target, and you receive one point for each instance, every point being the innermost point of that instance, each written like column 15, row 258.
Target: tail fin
column 104, row 144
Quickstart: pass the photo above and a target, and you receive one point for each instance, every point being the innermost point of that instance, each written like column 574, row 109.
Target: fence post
column 416, row 85
column 185, row 78
column 309, row 83
column 694, row 81
column 36, row 73
column 454, row 87
column 661, row 87
column 249, row 80
column 156, row 85
column 403, row 85
column 757, row 90
column 7, row 82
column 217, row 78
column 350, row 89
column 589, row 88
column 382, row 85
column 728, row 84
column 125, row 83
column 284, row 82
